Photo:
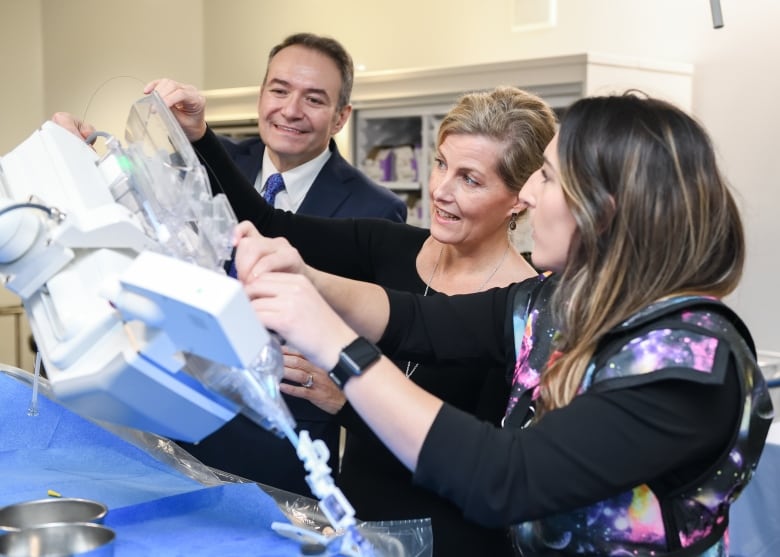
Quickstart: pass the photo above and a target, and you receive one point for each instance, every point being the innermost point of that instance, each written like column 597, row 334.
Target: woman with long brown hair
column 638, row 412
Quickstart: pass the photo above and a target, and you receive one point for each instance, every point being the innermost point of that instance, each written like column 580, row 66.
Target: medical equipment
column 118, row 259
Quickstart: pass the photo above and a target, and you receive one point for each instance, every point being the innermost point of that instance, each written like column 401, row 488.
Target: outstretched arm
column 257, row 256
column 498, row 476
column 505, row 476
column 290, row 305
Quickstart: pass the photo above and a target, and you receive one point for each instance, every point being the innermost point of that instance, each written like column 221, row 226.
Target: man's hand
column 186, row 103
column 73, row 124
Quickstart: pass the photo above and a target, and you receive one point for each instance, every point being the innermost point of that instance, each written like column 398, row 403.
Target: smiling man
column 303, row 103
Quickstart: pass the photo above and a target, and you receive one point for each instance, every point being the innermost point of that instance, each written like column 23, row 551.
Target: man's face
column 297, row 107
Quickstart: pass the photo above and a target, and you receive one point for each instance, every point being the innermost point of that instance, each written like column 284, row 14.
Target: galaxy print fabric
column 632, row 524
column 658, row 350
column 534, row 335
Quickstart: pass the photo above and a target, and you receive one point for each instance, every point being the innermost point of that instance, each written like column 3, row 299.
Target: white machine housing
column 118, row 260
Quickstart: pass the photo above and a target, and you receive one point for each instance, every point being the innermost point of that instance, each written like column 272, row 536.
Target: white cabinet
column 402, row 108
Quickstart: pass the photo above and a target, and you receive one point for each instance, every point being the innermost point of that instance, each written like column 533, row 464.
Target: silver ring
column 309, row 382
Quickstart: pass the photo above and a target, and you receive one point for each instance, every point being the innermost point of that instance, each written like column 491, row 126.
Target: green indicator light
column 125, row 163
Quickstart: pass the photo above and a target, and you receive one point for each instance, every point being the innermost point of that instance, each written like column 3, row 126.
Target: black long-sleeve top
column 597, row 446
column 385, row 253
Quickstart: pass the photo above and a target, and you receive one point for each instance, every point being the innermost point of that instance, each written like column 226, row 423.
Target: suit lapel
column 328, row 192
column 253, row 160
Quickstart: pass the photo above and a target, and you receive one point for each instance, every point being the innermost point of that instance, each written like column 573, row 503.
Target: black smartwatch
column 354, row 359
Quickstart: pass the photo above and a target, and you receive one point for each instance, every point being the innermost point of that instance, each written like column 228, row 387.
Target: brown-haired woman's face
column 469, row 200
column 550, row 218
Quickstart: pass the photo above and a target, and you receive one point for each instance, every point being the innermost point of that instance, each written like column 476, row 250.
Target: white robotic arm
column 118, row 261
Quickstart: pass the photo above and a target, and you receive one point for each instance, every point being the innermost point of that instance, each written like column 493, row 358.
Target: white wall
column 55, row 54
column 735, row 96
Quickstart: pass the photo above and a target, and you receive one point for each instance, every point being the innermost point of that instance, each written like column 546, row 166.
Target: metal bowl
column 48, row 511
column 75, row 539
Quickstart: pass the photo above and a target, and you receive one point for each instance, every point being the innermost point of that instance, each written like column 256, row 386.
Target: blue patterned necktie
column 273, row 185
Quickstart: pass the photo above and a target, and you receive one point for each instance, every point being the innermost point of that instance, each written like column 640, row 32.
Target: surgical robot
column 118, row 260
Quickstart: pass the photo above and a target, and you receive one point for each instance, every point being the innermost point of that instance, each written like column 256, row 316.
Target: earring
column 513, row 221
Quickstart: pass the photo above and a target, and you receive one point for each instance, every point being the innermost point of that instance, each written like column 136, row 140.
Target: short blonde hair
column 519, row 120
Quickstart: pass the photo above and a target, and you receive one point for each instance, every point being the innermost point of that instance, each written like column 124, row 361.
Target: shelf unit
column 389, row 106
column 382, row 132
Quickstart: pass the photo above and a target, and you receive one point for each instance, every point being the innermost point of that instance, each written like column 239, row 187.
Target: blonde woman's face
column 469, row 200
column 551, row 220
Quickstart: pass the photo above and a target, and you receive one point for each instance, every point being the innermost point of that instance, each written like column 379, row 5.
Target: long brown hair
column 654, row 218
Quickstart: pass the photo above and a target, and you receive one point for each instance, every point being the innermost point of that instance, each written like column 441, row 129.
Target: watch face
column 353, row 360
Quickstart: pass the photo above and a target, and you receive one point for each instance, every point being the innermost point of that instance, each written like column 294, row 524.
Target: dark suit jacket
column 339, row 190
column 241, row 447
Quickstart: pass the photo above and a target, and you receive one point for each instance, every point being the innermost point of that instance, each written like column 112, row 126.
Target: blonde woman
column 488, row 145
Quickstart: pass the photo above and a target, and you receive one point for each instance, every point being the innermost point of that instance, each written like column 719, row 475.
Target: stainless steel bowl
column 48, row 511
column 75, row 539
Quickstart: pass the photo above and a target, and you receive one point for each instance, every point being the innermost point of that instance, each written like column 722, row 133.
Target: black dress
column 385, row 253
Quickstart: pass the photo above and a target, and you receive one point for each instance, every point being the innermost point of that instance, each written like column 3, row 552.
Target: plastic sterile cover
column 169, row 189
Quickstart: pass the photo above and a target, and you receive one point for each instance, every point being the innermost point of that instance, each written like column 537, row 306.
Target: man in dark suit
column 303, row 103
column 339, row 189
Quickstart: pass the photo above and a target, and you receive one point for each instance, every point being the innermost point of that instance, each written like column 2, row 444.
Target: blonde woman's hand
column 290, row 305
column 285, row 300
column 310, row 383
column 257, row 254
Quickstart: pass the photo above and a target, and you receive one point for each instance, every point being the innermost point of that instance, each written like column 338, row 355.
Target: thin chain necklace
column 411, row 369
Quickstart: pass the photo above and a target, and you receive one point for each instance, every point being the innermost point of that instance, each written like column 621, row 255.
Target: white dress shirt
column 297, row 181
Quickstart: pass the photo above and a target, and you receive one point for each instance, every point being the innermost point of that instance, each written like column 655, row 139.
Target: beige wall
column 21, row 70
column 736, row 76
column 89, row 57
column 432, row 33
column 69, row 48
column 98, row 54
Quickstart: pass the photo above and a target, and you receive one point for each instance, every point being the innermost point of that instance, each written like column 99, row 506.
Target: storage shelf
column 402, row 186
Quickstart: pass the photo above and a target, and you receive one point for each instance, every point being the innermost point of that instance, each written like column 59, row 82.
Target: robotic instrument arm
column 118, row 262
